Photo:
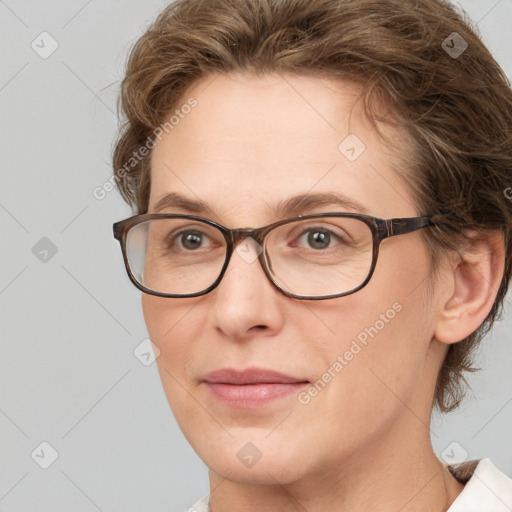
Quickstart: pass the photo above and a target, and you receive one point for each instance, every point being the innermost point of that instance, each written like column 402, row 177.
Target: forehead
column 251, row 141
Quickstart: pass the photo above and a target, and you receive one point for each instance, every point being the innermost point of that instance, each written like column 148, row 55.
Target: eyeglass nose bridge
column 239, row 234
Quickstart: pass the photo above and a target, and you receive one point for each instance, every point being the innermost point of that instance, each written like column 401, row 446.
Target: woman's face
column 249, row 144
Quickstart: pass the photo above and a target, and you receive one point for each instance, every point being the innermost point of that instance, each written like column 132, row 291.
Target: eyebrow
column 292, row 206
column 175, row 200
column 303, row 202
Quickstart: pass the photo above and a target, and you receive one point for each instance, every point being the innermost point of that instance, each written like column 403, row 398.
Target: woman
column 322, row 238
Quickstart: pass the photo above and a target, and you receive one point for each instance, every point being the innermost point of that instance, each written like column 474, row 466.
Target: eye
column 317, row 239
column 191, row 240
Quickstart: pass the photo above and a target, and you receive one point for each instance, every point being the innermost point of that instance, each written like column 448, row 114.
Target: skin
column 363, row 442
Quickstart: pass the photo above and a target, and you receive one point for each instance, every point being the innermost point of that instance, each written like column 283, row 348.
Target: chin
column 258, row 462
column 263, row 473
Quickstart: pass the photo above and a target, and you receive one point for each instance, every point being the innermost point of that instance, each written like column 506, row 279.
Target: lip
column 251, row 387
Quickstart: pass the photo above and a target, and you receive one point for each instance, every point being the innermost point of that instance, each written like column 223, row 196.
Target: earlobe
column 475, row 280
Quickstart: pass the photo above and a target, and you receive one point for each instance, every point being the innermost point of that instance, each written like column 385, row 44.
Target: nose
column 246, row 303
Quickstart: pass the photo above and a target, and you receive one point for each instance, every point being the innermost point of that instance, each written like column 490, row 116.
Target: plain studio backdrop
column 76, row 392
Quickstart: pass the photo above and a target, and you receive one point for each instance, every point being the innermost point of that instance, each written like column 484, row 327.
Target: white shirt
column 487, row 490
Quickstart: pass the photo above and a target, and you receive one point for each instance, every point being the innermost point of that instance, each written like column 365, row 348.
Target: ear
column 474, row 280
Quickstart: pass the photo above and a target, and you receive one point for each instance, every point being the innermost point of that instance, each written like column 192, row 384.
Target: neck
column 388, row 475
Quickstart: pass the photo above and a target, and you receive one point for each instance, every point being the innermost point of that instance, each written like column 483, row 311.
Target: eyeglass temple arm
column 402, row 226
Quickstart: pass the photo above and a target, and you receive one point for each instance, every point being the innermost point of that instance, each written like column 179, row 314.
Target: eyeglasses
column 313, row 257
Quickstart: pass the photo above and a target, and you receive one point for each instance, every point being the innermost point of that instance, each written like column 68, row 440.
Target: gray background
column 70, row 323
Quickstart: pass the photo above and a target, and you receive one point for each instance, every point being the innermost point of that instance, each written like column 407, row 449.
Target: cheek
column 170, row 321
column 387, row 326
column 390, row 332
column 176, row 329
column 376, row 380
column 172, row 329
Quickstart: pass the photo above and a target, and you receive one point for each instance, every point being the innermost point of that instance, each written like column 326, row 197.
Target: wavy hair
column 422, row 58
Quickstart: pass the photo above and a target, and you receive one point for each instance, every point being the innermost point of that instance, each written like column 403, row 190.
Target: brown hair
column 456, row 108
